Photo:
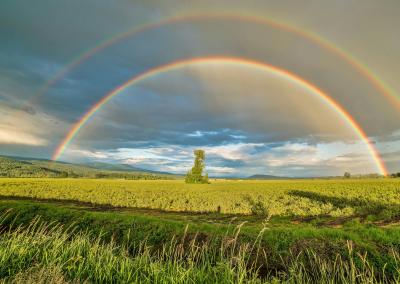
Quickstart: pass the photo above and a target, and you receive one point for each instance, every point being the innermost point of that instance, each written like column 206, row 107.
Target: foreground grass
column 41, row 251
column 79, row 257
column 124, row 248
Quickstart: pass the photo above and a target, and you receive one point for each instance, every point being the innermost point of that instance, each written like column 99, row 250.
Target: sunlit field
column 278, row 198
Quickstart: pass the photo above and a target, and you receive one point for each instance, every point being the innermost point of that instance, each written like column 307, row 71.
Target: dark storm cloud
column 174, row 113
column 62, row 30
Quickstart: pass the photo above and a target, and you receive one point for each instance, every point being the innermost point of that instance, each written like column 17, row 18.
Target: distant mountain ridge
column 260, row 176
column 121, row 167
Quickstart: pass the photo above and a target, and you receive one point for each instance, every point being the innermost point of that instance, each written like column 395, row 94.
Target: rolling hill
column 259, row 176
column 31, row 167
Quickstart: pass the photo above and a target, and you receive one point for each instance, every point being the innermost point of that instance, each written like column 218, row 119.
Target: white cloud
column 28, row 127
column 237, row 151
column 238, row 136
column 14, row 136
column 88, row 154
column 199, row 133
column 221, row 170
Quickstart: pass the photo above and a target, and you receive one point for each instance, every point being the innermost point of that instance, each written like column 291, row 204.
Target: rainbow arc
column 366, row 72
column 314, row 90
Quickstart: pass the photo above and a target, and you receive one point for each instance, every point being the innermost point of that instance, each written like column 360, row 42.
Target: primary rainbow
column 224, row 60
column 377, row 83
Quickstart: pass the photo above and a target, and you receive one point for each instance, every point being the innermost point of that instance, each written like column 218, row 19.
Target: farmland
column 278, row 198
column 242, row 231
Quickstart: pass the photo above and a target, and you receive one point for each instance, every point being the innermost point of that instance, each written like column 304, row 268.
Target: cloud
column 238, row 151
column 211, row 109
column 221, row 170
column 199, row 133
column 88, row 154
column 20, row 128
column 29, row 109
column 244, row 159
column 13, row 136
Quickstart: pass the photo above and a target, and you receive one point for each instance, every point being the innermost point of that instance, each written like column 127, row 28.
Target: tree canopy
column 195, row 175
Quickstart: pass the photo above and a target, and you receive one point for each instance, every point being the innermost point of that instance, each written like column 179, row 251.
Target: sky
column 54, row 67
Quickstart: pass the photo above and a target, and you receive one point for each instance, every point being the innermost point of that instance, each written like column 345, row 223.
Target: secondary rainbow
column 224, row 60
column 375, row 81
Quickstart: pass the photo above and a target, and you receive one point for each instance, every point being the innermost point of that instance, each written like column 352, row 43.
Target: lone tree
column 195, row 175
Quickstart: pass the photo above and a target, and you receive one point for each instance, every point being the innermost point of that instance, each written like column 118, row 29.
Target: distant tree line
column 395, row 175
column 347, row 175
column 130, row 176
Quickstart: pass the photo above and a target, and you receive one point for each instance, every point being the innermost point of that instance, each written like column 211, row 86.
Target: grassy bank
column 129, row 246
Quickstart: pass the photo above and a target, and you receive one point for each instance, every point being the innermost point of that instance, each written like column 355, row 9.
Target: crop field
column 233, row 231
column 277, row 198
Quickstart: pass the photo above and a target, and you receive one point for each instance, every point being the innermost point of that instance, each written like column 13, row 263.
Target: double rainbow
column 335, row 106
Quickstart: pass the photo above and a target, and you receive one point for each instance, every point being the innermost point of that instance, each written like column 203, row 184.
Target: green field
column 279, row 198
column 286, row 231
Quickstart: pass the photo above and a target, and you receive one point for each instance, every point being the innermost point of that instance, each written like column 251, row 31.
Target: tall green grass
column 41, row 252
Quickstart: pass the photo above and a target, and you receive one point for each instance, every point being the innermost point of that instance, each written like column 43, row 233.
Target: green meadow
column 167, row 231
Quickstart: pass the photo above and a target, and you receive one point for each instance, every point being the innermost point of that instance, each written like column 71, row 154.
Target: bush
column 257, row 207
